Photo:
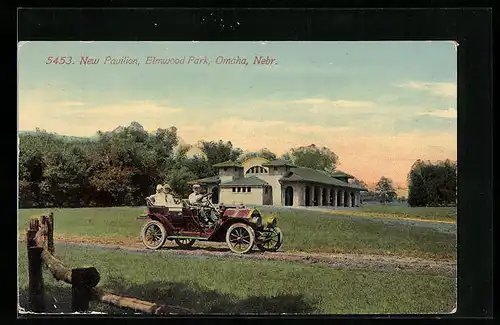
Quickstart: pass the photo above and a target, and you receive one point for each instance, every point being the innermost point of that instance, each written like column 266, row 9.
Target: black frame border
column 470, row 27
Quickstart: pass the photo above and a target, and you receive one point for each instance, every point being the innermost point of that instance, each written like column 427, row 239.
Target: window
column 249, row 189
column 266, row 189
column 275, row 168
column 234, row 189
column 239, row 189
column 235, row 169
column 225, row 169
column 244, row 189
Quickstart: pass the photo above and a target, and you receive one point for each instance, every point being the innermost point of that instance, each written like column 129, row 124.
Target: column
column 328, row 193
column 342, row 192
column 311, row 195
column 318, row 195
column 335, row 197
column 349, row 200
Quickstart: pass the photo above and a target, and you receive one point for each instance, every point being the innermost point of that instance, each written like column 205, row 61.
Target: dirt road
column 337, row 261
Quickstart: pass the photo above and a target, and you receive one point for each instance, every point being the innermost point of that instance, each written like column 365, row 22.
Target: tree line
column 123, row 166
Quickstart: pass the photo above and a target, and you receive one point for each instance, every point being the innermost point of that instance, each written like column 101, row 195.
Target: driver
column 196, row 198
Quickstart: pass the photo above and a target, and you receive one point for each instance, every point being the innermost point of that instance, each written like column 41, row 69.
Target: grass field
column 304, row 231
column 211, row 285
column 427, row 213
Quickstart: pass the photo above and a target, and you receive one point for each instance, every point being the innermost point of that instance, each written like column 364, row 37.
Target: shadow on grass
column 200, row 299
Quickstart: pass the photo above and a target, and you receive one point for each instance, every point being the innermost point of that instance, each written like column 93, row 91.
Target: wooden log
column 83, row 280
column 56, row 267
column 139, row 305
column 36, row 289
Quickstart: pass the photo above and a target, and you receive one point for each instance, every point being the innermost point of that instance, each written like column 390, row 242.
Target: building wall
column 227, row 196
column 273, row 181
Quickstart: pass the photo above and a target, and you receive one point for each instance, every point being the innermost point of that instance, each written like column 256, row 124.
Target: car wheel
column 240, row 238
column 270, row 240
column 153, row 235
column 184, row 242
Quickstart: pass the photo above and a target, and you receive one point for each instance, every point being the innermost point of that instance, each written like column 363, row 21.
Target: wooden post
column 83, row 280
column 36, row 289
column 50, row 233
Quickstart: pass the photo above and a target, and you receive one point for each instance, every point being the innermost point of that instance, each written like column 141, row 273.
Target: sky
column 379, row 106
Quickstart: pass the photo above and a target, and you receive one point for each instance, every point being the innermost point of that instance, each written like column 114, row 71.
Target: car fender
column 164, row 221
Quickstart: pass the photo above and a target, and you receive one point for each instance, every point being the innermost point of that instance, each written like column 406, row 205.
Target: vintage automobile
column 240, row 227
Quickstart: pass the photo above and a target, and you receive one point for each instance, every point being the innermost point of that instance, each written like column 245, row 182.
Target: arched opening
column 353, row 200
column 331, row 198
column 315, row 196
column 346, row 199
column 215, row 195
column 339, row 198
column 288, row 196
column 308, row 196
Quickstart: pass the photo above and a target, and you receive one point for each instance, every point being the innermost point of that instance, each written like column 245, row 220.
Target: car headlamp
column 258, row 221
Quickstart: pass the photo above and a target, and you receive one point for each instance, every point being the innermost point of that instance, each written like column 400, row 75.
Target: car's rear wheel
column 153, row 235
column 270, row 240
column 184, row 242
column 240, row 238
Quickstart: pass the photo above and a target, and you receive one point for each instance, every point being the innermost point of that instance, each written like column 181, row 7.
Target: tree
column 432, row 184
column 215, row 152
column 385, row 190
column 320, row 158
column 263, row 153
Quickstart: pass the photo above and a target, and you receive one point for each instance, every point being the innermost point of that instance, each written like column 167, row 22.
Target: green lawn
column 303, row 230
column 211, row 285
column 428, row 213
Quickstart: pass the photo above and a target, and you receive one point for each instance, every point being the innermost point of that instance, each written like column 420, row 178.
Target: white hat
column 159, row 187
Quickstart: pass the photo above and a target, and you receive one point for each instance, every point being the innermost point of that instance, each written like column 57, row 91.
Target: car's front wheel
column 153, row 235
column 240, row 238
column 270, row 240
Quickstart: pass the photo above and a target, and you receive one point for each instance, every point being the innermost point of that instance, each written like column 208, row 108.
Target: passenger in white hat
column 159, row 198
column 172, row 203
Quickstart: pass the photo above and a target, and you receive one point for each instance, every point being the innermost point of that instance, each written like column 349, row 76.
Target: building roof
column 278, row 163
column 246, row 181
column 303, row 174
column 228, row 164
column 206, row 180
column 339, row 173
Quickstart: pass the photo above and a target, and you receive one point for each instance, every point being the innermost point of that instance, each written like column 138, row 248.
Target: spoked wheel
column 240, row 238
column 153, row 235
column 184, row 242
column 270, row 240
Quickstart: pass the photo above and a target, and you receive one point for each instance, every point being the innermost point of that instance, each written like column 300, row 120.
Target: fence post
column 50, row 233
column 36, row 289
column 83, row 280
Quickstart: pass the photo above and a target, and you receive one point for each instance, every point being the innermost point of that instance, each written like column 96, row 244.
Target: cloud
column 323, row 105
column 450, row 113
column 442, row 89
column 84, row 119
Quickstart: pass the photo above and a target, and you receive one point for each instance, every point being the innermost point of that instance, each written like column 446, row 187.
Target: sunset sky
column 378, row 105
